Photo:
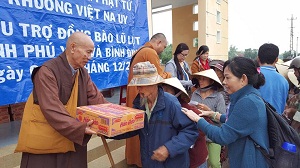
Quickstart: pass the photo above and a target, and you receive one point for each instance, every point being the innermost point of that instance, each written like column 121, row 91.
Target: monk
column 50, row 136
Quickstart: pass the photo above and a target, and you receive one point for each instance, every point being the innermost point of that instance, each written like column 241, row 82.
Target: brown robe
column 132, row 150
column 53, row 84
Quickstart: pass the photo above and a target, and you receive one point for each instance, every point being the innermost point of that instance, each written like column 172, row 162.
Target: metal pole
column 297, row 48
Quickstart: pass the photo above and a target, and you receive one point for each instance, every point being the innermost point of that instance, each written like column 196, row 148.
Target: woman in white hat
column 209, row 98
column 198, row 152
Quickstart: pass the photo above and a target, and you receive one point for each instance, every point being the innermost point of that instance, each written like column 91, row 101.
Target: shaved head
column 79, row 49
column 79, row 38
column 158, row 42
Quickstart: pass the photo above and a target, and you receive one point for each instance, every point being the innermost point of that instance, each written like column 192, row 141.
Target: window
column 219, row 1
column 195, row 9
column 219, row 17
column 218, row 36
column 195, row 26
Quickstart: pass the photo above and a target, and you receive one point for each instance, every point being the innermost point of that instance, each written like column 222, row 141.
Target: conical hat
column 283, row 68
column 210, row 73
column 176, row 83
column 292, row 77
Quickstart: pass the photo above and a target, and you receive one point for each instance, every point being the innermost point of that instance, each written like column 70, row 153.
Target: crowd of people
column 196, row 116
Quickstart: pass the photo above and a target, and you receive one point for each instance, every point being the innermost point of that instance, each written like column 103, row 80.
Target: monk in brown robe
column 149, row 52
column 50, row 136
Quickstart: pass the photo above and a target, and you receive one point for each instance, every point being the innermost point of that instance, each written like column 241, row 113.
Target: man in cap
column 149, row 52
column 276, row 88
column 168, row 133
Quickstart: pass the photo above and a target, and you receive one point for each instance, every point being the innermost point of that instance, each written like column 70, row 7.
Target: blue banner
column 34, row 31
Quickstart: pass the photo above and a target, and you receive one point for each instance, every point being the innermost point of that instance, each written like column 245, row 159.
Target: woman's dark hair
column 180, row 47
column 202, row 49
column 241, row 65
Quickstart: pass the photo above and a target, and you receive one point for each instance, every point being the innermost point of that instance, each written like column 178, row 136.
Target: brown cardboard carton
column 17, row 110
column 111, row 119
column 4, row 114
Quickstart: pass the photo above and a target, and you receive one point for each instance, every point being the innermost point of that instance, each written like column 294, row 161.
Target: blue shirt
column 276, row 88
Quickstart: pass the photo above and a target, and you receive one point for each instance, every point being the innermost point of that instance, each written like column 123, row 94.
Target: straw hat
column 210, row 73
column 176, row 83
column 292, row 77
column 145, row 74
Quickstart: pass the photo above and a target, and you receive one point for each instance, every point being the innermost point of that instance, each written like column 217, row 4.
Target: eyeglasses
column 184, row 55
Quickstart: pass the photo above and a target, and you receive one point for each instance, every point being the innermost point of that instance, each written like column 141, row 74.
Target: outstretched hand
column 191, row 114
column 206, row 113
column 88, row 129
column 204, row 107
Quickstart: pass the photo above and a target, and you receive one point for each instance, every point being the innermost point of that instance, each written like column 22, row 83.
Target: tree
column 232, row 52
column 166, row 55
column 251, row 53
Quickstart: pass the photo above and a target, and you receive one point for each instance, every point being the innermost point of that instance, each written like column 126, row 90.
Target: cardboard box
column 17, row 111
column 4, row 109
column 4, row 119
column 18, row 107
column 111, row 119
column 4, row 114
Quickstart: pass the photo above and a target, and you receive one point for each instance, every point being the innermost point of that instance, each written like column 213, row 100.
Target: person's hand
column 160, row 154
column 206, row 113
column 289, row 112
column 88, row 129
column 204, row 107
column 191, row 114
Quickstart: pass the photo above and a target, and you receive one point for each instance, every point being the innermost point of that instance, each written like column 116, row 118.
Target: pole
column 107, row 151
column 291, row 37
column 297, row 48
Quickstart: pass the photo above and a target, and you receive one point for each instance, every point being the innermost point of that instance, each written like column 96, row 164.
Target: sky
column 252, row 23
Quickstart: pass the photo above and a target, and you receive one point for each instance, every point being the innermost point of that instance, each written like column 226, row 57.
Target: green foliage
column 166, row 55
column 232, row 52
column 195, row 42
column 251, row 53
column 286, row 55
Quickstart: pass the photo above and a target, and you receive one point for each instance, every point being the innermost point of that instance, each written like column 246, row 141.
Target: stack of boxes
column 17, row 111
column 4, row 114
column 12, row 112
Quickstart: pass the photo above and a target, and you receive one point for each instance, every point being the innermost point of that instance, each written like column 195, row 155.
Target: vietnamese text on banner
column 34, row 31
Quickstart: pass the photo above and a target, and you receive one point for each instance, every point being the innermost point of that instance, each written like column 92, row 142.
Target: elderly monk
column 168, row 133
column 149, row 52
column 50, row 136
